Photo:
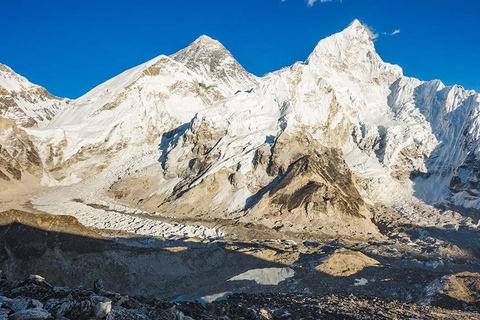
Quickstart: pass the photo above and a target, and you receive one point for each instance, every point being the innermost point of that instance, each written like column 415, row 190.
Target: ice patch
column 360, row 282
column 205, row 299
column 266, row 276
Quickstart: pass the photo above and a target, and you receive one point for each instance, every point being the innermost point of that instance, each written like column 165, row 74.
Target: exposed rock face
column 22, row 105
column 295, row 184
column 465, row 181
column 312, row 189
column 451, row 115
column 27, row 104
column 19, row 157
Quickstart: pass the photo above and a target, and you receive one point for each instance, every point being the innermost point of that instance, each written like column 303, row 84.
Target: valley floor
column 413, row 271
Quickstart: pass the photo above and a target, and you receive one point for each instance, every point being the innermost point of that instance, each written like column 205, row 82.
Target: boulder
column 30, row 314
column 101, row 306
column 60, row 307
column 38, row 280
column 175, row 314
column 4, row 312
column 5, row 302
column 19, row 304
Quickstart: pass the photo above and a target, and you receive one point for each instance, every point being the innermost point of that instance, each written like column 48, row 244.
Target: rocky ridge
column 29, row 105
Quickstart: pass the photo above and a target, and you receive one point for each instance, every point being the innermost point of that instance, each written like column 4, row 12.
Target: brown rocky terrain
column 325, row 280
column 297, row 186
column 20, row 162
column 35, row 298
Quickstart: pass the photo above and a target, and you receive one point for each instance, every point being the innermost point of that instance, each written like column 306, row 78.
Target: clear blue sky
column 71, row 46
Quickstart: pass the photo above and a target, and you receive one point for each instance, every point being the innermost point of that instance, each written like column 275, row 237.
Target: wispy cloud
column 374, row 34
column 371, row 32
column 312, row 2
column 394, row 32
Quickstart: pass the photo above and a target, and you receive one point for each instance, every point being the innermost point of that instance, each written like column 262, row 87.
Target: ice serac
column 25, row 103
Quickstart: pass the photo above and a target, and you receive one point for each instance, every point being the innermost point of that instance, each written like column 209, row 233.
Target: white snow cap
column 205, row 39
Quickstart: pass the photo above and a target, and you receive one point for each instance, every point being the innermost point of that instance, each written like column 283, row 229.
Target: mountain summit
column 353, row 51
column 27, row 104
column 210, row 59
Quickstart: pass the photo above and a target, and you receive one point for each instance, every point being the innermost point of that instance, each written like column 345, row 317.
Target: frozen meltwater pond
column 266, row 276
column 205, row 299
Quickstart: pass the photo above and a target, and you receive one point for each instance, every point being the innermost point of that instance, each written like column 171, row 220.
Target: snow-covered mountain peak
column 138, row 106
column 112, row 87
column 205, row 40
column 27, row 104
column 355, row 36
column 357, row 29
column 352, row 51
column 212, row 61
column 13, row 82
column 355, row 24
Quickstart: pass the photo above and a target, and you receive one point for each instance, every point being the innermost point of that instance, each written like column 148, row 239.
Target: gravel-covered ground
column 415, row 273
column 35, row 298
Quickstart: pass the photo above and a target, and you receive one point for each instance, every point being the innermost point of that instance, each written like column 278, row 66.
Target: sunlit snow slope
column 27, row 104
